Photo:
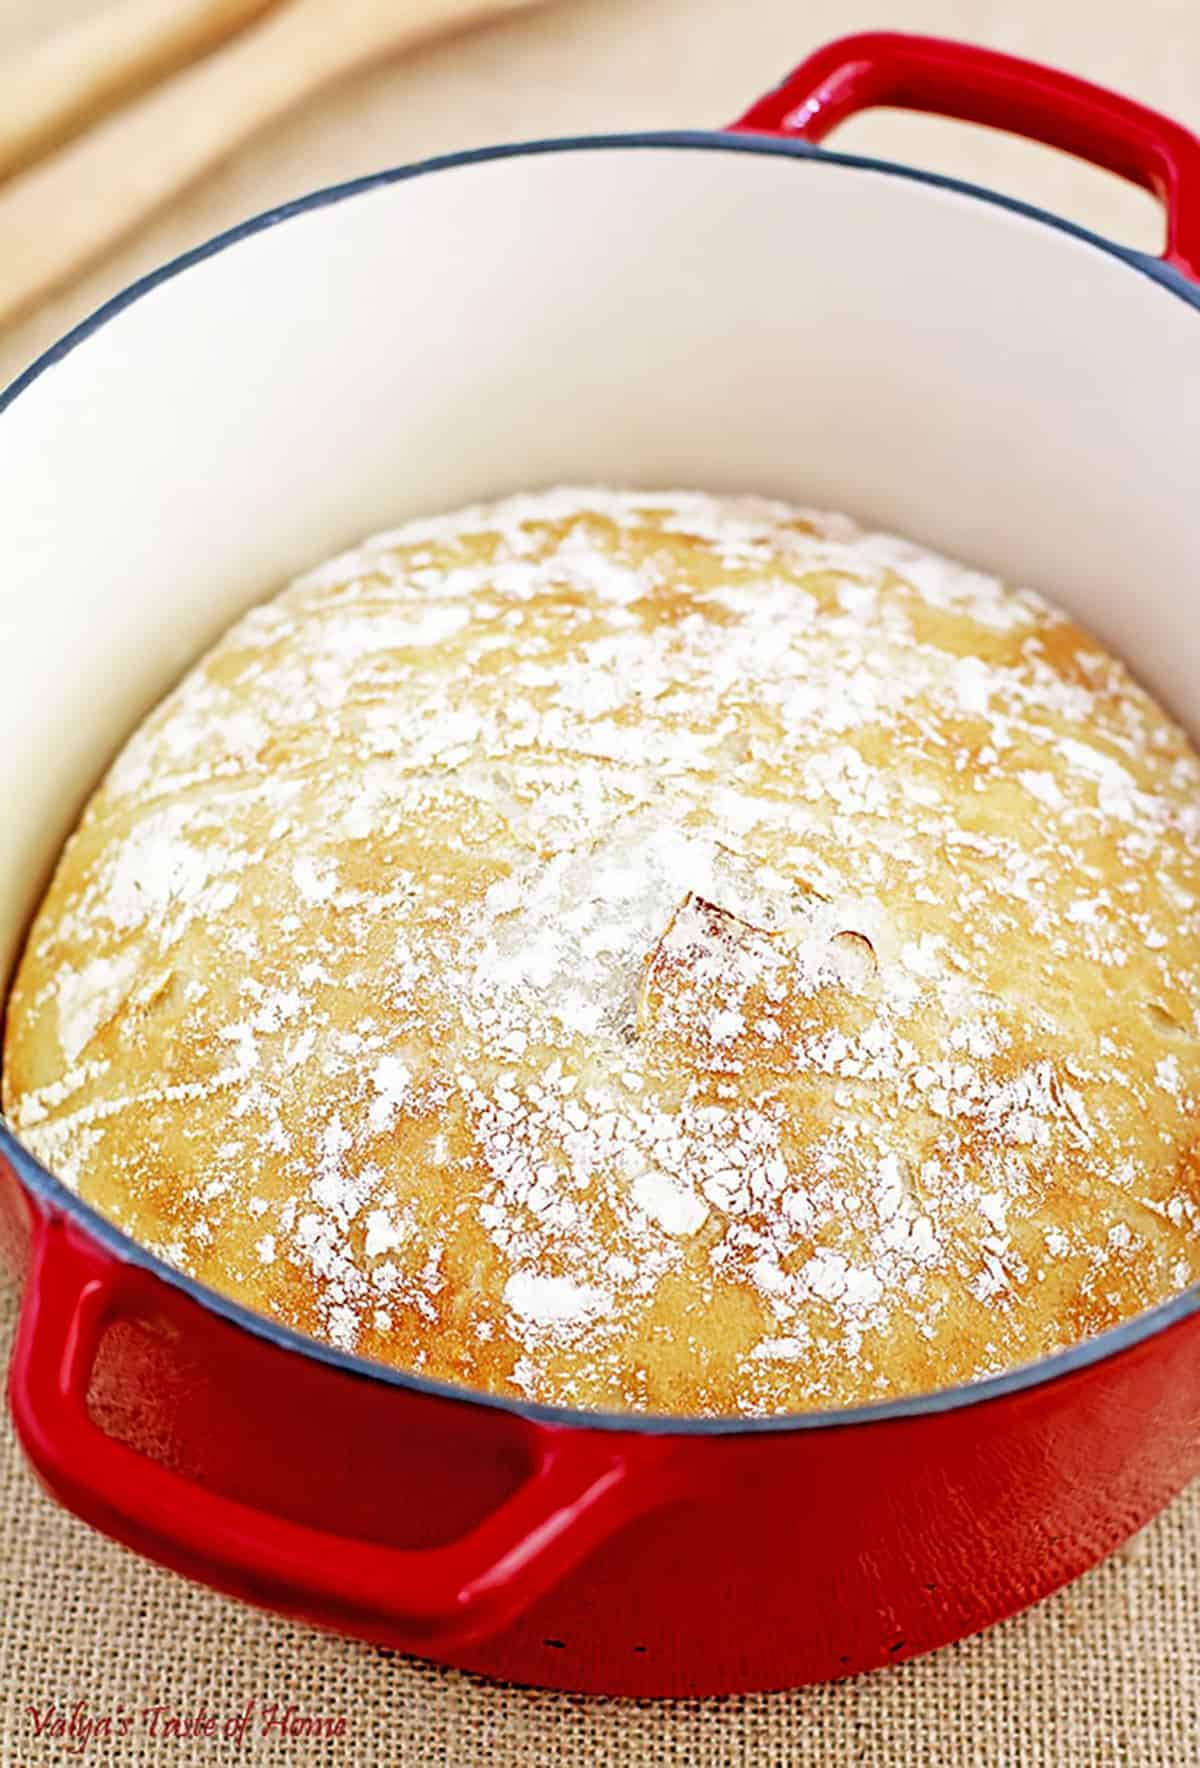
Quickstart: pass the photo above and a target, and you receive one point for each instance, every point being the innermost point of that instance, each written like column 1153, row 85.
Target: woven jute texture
column 1107, row 1672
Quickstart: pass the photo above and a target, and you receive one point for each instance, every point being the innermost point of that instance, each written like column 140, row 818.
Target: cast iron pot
column 733, row 309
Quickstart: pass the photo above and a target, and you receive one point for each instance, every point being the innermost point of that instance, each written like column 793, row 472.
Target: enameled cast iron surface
column 621, row 1554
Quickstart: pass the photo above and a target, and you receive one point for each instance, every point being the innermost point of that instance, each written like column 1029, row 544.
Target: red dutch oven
column 732, row 309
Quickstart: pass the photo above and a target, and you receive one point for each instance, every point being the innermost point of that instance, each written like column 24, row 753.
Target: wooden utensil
column 63, row 214
column 54, row 89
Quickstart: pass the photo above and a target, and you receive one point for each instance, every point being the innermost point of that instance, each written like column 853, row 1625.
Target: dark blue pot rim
column 54, row 1196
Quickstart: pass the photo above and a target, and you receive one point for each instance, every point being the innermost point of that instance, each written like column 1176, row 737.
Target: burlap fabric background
column 1109, row 1671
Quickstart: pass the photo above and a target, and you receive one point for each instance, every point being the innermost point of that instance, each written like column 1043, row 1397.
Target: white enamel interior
column 651, row 316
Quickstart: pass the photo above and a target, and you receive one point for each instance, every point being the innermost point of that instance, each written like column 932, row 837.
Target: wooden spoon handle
column 64, row 82
column 63, row 214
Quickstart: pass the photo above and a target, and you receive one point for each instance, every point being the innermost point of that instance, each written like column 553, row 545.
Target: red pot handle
column 982, row 86
column 581, row 1487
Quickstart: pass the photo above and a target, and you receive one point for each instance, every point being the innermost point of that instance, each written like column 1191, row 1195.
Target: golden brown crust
column 640, row 951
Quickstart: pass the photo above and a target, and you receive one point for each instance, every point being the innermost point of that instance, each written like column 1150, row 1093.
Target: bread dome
column 640, row 951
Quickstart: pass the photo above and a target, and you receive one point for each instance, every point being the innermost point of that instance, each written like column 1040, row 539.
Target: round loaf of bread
column 640, row 951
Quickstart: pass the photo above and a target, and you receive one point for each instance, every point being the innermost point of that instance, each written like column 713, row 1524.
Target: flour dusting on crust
column 640, row 950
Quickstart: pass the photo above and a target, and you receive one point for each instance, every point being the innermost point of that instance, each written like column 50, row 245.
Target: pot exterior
column 753, row 1561
column 558, row 1553
column 820, row 1555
